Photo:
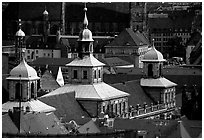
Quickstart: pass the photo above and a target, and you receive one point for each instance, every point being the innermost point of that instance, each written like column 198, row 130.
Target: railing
column 148, row 111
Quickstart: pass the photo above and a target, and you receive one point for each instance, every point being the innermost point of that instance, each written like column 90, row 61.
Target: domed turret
column 24, row 72
column 85, row 34
column 153, row 55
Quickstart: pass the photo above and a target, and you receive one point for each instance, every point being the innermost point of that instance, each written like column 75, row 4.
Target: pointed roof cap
column 23, row 72
column 85, row 34
column 45, row 12
column 153, row 55
column 20, row 33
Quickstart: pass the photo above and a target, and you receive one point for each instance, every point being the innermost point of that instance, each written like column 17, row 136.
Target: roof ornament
column 85, row 17
column 45, row 11
column 153, row 43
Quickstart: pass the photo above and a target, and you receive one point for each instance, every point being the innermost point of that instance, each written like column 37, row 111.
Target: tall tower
column 138, row 16
column 19, row 42
column 46, row 26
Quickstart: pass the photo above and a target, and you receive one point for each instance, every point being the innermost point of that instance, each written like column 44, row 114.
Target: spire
column 45, row 12
column 85, row 18
column 20, row 33
column 153, row 43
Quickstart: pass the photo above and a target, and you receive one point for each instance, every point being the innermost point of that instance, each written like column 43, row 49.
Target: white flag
column 60, row 79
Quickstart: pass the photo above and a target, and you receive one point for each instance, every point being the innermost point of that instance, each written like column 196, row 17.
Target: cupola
column 153, row 55
column 24, row 72
column 85, row 34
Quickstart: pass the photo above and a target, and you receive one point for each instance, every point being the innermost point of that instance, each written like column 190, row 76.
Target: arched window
column 150, row 70
column 32, row 90
column 19, row 89
column 160, row 70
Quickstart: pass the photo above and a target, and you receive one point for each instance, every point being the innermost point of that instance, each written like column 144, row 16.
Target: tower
column 23, row 84
column 19, row 41
column 155, row 85
column 138, row 16
column 86, row 68
column 46, row 25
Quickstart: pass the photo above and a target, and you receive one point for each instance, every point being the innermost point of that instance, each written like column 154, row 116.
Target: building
column 86, row 79
column 129, row 43
column 22, row 83
column 165, row 25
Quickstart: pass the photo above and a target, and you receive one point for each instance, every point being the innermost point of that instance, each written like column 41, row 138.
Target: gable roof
column 48, row 82
column 66, row 105
column 96, row 91
column 128, row 38
column 137, row 94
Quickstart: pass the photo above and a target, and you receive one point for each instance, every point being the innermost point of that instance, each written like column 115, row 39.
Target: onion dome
column 153, row 55
column 20, row 33
column 85, row 34
column 23, row 72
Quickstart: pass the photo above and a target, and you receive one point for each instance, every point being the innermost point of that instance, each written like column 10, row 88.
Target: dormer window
column 150, row 70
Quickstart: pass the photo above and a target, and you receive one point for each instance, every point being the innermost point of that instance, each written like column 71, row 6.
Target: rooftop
column 35, row 105
column 96, row 91
column 66, row 106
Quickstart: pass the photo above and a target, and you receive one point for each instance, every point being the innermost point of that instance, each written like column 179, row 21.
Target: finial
column 19, row 23
column 85, row 17
column 153, row 42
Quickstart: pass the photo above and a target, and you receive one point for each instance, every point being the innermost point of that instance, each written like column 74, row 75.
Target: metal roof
column 159, row 82
column 35, row 105
column 87, row 61
column 96, row 91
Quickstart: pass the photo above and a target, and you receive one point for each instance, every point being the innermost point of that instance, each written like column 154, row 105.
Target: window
column 36, row 51
column 28, row 51
column 75, row 74
column 28, row 57
column 32, row 90
column 44, row 54
column 84, row 74
column 150, row 70
column 94, row 74
column 18, row 91
column 48, row 54
column 99, row 73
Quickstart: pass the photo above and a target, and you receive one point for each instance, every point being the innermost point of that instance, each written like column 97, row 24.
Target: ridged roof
column 159, row 82
column 87, row 61
column 129, row 38
column 25, row 71
column 35, row 105
column 96, row 91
